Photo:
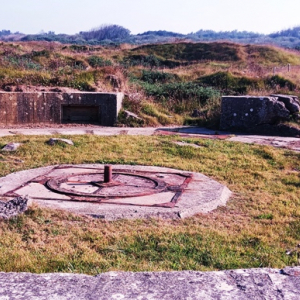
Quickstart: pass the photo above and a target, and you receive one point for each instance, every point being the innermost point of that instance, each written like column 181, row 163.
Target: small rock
column 13, row 207
column 53, row 141
column 132, row 115
column 197, row 113
column 56, row 90
column 187, row 144
column 114, row 80
column 11, row 146
column 8, row 88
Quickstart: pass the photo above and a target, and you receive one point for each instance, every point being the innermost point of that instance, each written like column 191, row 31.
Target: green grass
column 258, row 225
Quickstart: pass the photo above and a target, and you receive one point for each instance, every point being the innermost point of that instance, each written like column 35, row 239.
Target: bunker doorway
column 81, row 114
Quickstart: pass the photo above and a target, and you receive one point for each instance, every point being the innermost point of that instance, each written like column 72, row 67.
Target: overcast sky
column 183, row 16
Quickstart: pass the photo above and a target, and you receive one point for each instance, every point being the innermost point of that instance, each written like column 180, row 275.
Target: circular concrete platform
column 135, row 192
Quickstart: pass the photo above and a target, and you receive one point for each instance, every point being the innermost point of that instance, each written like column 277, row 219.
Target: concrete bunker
column 260, row 114
column 51, row 107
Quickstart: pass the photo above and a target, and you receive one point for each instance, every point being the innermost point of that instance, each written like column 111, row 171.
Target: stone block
column 245, row 113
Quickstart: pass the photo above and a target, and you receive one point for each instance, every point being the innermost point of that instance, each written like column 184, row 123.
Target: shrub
column 155, row 77
column 192, row 52
column 225, row 81
column 149, row 61
column 22, row 63
column 180, row 91
column 79, row 48
column 97, row 61
column 282, row 82
column 142, row 60
column 106, row 32
column 180, row 97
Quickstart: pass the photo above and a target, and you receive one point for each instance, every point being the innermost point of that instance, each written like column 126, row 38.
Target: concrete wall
column 247, row 112
column 30, row 108
column 260, row 115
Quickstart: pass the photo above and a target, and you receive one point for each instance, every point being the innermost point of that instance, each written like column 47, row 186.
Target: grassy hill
column 163, row 83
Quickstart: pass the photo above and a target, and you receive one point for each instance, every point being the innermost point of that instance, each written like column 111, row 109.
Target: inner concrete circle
column 135, row 191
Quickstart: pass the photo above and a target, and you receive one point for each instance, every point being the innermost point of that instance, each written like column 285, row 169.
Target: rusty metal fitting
column 107, row 174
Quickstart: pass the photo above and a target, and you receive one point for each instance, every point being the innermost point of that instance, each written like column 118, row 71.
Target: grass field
column 259, row 224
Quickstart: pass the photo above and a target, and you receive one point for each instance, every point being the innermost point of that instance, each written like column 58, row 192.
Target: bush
column 282, row 82
column 106, row 32
column 22, row 63
column 225, row 81
column 155, row 77
column 180, row 91
column 97, row 61
column 180, row 97
column 149, row 61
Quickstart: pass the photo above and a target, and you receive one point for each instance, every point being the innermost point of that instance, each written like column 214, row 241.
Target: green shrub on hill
column 22, row 63
column 157, row 76
column 279, row 81
column 192, row 51
column 180, row 91
column 97, row 61
column 228, row 83
column 180, row 97
column 149, row 61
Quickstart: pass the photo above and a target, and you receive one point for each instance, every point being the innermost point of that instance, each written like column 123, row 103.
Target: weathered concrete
column 251, row 284
column 258, row 114
column 244, row 112
column 291, row 102
column 200, row 195
column 291, row 143
column 45, row 107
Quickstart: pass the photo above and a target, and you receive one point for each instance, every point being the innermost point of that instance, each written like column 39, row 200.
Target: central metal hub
column 108, row 179
column 107, row 174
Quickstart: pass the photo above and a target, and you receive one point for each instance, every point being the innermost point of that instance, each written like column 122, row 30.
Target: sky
column 182, row 16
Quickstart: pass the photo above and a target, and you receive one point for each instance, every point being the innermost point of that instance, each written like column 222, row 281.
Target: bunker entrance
column 81, row 114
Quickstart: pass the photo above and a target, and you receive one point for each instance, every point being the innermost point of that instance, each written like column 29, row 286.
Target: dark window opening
column 81, row 114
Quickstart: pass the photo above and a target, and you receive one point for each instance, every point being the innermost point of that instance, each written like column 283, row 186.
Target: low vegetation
column 259, row 227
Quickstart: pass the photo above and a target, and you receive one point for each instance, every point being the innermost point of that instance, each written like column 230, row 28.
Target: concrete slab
column 143, row 191
column 40, row 192
column 291, row 143
column 151, row 200
column 264, row 283
column 275, row 141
